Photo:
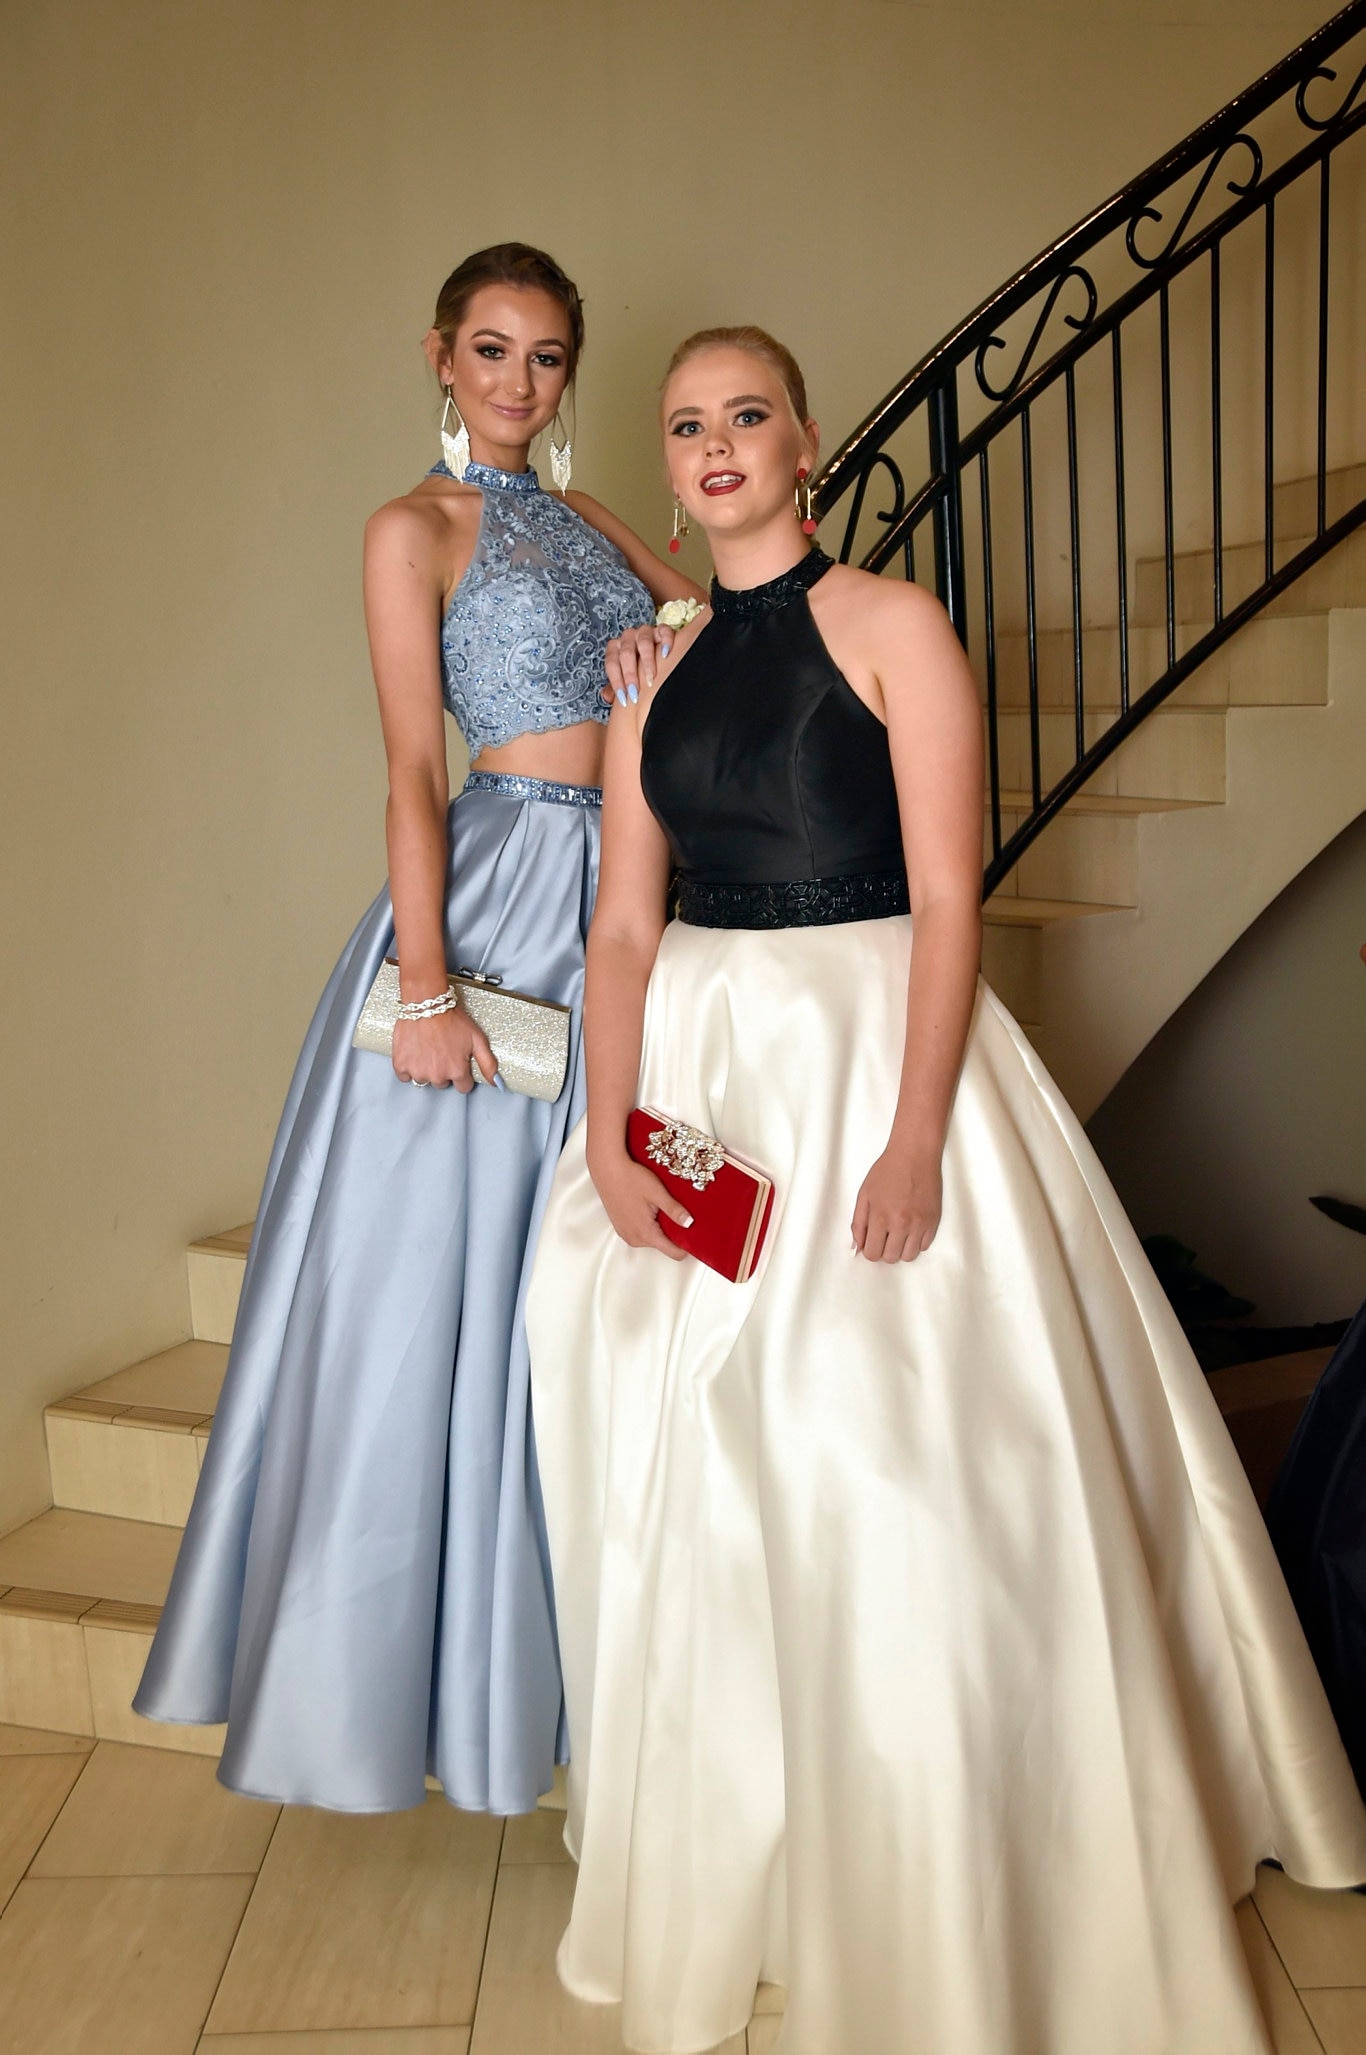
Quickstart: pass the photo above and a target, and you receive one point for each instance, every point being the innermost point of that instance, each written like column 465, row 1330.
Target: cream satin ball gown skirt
column 923, row 1647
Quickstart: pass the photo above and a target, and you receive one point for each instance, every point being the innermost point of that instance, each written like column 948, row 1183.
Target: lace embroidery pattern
column 798, row 903
column 522, row 642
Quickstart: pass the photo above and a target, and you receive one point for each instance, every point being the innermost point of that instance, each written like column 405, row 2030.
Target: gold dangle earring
column 561, row 455
column 455, row 448
column 801, row 496
column 680, row 527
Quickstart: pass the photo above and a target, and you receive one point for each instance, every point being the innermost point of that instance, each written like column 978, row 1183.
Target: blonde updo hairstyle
column 755, row 342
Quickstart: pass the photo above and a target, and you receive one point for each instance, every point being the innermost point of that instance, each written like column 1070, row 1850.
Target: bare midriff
column 565, row 756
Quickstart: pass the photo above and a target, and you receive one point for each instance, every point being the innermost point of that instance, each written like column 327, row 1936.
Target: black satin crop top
column 771, row 778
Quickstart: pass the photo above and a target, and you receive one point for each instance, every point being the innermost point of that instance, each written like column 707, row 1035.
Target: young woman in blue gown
column 363, row 1592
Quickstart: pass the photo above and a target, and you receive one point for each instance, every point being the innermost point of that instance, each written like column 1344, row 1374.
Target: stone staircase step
column 1013, row 911
column 1012, row 948
column 1087, row 858
column 1337, row 580
column 215, row 1268
column 1280, row 659
column 1090, row 853
column 80, row 1597
column 131, row 1445
column 1012, row 964
column 1119, row 805
column 1295, row 502
column 1177, row 753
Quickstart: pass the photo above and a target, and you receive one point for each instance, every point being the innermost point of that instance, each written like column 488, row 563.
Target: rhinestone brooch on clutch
column 687, row 1152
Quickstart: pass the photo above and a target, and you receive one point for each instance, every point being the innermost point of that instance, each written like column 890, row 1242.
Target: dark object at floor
column 1196, row 1299
column 1217, row 1346
column 1343, row 1211
column 1317, row 1517
column 1212, row 1316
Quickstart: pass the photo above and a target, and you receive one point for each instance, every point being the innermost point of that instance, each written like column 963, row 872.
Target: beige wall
column 1250, row 1099
column 223, row 222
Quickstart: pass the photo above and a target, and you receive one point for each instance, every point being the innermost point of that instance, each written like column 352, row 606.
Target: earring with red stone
column 680, row 528
column 802, row 498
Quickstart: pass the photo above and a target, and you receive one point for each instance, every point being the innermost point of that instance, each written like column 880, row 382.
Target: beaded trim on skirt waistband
column 798, row 903
column 512, row 786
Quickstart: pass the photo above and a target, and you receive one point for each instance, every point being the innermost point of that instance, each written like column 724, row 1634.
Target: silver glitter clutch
column 529, row 1037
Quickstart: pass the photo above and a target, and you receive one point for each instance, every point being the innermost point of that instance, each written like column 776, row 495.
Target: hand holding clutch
column 447, row 1049
column 731, row 1202
column 529, row 1037
column 638, row 1205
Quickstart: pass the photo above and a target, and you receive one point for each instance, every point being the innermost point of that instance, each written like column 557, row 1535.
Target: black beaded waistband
column 799, row 903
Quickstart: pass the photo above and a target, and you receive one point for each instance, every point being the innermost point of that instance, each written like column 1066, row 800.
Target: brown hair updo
column 515, row 264
column 756, row 342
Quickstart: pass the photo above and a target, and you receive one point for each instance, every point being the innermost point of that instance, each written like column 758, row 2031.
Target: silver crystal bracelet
column 427, row 1009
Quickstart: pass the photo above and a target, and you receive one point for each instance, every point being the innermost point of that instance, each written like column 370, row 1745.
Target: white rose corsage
column 676, row 613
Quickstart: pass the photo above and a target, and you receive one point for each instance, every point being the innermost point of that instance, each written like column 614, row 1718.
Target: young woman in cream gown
column 924, row 1651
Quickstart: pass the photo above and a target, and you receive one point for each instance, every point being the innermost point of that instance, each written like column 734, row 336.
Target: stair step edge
column 1007, row 910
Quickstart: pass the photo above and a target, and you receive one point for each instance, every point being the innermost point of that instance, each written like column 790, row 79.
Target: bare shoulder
column 403, row 524
column 596, row 515
column 894, row 643
column 608, row 524
column 879, row 606
column 418, row 528
column 584, row 504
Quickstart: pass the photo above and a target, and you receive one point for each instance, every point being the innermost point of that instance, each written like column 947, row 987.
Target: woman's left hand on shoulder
column 896, row 1216
column 637, row 661
column 633, row 662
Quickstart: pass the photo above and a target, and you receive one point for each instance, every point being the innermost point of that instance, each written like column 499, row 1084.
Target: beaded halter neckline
column 490, row 479
column 767, row 598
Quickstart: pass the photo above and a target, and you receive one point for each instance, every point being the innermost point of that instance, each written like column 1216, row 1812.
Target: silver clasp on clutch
column 478, row 977
column 687, row 1152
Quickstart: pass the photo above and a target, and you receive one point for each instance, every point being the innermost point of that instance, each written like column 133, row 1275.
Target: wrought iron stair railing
column 1195, row 326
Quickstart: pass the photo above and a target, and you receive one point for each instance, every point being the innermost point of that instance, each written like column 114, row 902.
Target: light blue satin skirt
column 364, row 1590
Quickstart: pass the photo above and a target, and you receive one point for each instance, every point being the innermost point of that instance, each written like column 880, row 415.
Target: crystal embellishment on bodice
column 523, row 638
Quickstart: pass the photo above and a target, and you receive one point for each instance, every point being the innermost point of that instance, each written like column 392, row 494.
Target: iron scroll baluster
column 1035, row 572
column 1151, row 213
column 888, row 464
column 1076, row 321
column 1341, row 112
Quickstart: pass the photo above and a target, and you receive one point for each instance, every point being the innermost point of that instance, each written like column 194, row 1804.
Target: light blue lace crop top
column 523, row 638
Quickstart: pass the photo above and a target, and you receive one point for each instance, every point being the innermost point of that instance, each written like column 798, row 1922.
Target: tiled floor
column 149, row 1912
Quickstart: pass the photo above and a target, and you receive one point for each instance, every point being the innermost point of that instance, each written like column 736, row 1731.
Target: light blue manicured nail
column 632, row 694
column 499, row 1082
column 664, row 648
column 621, row 699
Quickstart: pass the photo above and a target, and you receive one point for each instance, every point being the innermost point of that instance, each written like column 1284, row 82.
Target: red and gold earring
column 802, row 500
column 680, row 527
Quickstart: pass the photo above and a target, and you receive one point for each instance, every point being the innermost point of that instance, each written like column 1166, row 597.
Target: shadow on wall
column 1251, row 1100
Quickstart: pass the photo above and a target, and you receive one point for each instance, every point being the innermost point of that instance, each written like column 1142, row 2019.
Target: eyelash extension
column 547, row 362
column 749, row 416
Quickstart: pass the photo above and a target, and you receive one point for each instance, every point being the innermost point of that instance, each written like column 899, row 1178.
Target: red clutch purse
column 731, row 1202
